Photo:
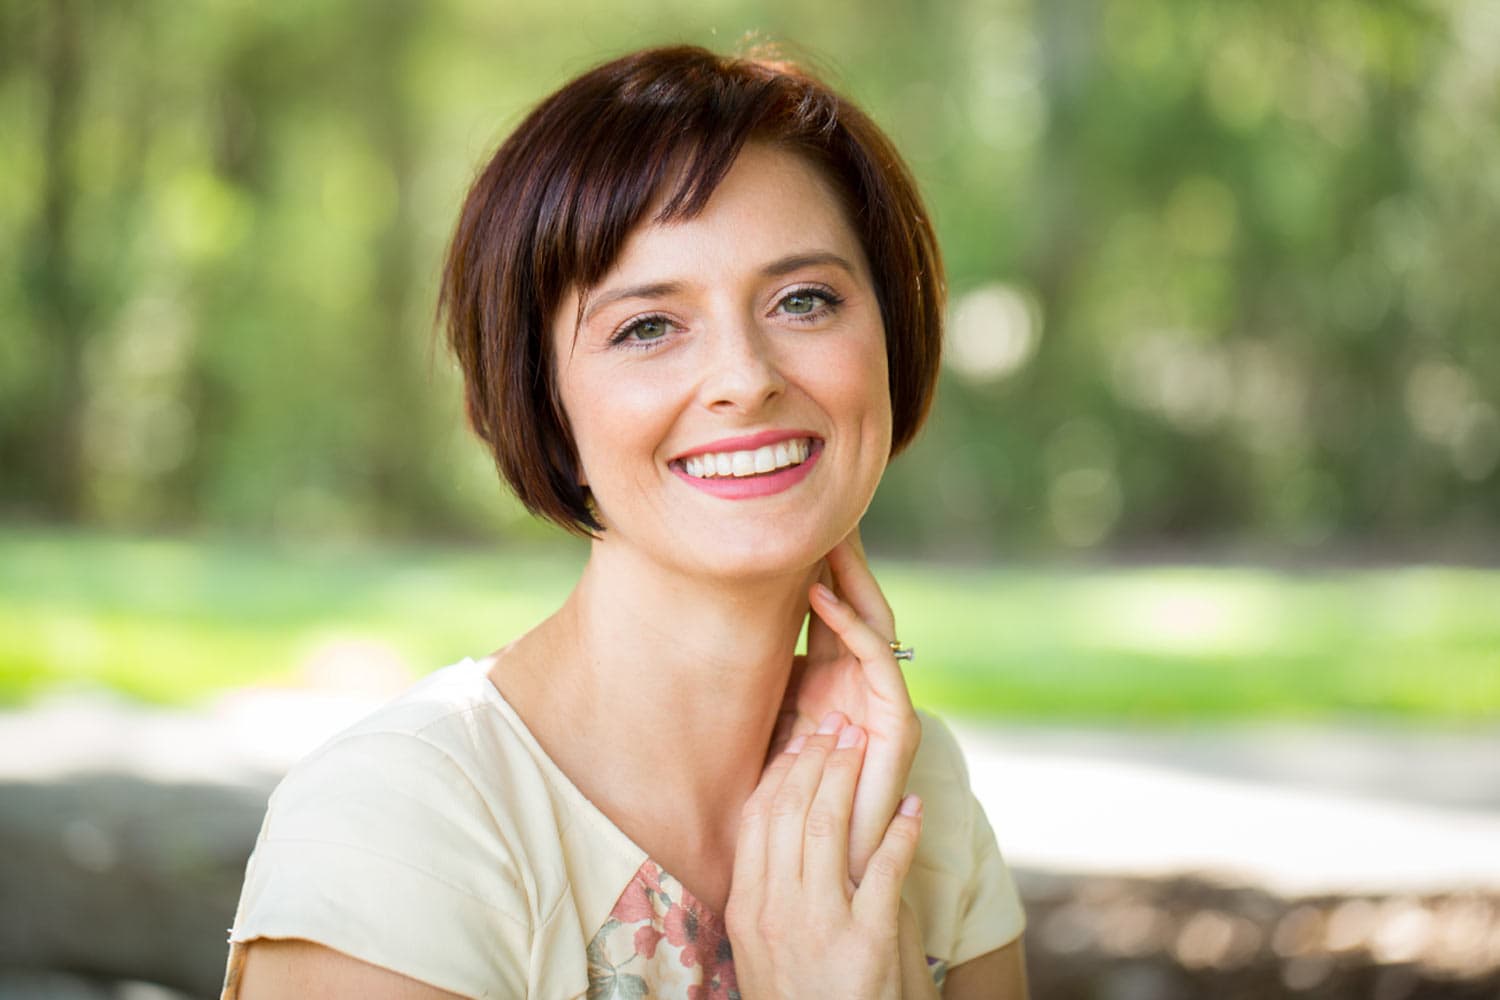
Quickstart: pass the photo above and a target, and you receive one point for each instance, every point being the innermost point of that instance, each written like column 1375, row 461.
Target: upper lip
column 747, row 442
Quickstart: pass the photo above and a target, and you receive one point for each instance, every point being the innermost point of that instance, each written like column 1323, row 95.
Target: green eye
column 800, row 303
column 650, row 328
column 641, row 332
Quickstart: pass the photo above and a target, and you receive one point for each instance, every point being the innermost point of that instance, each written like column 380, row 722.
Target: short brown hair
column 554, row 206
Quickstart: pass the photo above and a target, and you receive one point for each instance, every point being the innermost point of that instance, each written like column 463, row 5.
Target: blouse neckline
column 638, row 857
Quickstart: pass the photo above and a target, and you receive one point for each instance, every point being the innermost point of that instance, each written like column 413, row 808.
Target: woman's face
column 727, row 386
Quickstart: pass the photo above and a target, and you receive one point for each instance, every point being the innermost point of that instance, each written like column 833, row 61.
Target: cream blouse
column 436, row 839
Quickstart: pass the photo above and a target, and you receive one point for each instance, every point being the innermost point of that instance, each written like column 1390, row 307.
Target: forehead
column 772, row 202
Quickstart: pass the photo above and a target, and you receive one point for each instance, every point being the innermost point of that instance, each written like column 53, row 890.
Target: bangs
column 668, row 143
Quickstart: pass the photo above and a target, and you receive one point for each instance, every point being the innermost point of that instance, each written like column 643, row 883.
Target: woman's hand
column 849, row 668
column 798, row 924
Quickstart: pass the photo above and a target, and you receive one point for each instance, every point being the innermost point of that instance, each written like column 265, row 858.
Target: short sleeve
column 963, row 889
column 378, row 846
column 991, row 915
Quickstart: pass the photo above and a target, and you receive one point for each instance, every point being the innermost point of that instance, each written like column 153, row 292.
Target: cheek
column 615, row 421
column 858, row 381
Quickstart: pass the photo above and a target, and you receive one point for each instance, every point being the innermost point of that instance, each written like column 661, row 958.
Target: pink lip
column 750, row 487
column 747, row 443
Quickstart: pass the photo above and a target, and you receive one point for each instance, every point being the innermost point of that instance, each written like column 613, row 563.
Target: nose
column 743, row 372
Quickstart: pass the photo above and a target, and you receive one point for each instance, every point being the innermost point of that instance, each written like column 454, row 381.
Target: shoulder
column 414, row 840
column 438, row 756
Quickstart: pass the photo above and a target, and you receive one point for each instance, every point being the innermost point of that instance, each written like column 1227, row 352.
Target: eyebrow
column 776, row 269
column 796, row 262
column 654, row 290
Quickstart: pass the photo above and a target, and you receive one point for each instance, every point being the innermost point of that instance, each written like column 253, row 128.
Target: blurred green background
column 1223, row 372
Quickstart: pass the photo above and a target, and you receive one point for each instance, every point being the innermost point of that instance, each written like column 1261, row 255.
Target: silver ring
column 901, row 652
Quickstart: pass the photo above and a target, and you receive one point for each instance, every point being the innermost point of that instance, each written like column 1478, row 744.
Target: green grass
column 176, row 621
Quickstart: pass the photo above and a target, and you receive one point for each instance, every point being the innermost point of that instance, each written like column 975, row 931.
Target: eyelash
column 622, row 336
column 831, row 301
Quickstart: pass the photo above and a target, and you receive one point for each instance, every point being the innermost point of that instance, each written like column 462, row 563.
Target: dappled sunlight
column 178, row 622
column 992, row 332
column 1183, row 613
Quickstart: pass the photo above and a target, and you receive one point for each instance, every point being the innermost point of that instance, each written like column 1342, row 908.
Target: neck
column 699, row 667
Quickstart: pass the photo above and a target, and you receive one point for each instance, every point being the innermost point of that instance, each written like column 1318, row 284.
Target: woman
column 696, row 302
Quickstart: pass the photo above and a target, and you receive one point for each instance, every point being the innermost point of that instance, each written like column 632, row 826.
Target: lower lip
column 750, row 487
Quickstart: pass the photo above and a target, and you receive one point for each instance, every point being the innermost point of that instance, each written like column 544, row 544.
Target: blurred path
column 1293, row 809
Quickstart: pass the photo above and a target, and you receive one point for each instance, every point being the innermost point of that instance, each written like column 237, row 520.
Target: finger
column 857, row 585
column 787, row 816
column 750, row 842
column 822, row 644
column 825, row 861
column 872, row 650
column 877, row 901
column 915, row 978
column 790, row 723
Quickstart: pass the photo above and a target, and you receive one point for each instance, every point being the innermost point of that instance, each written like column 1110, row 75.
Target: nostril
column 747, row 380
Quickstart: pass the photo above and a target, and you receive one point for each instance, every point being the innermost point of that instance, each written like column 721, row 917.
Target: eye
column 800, row 303
column 806, row 303
column 642, row 330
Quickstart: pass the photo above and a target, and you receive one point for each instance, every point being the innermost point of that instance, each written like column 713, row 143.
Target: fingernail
column 795, row 744
column 849, row 737
column 831, row 723
column 825, row 593
column 911, row 806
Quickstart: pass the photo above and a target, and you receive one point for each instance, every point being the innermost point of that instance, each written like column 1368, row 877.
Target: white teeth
column 748, row 463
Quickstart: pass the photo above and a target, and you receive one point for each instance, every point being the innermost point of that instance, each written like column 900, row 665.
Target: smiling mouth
column 749, row 463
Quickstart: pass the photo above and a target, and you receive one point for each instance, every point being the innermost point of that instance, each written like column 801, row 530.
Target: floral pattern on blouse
column 660, row 942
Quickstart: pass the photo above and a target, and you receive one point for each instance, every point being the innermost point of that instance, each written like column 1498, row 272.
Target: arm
column 281, row 970
column 997, row 975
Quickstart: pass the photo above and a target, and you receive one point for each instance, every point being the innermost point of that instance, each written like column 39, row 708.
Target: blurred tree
column 41, row 446
column 1219, row 271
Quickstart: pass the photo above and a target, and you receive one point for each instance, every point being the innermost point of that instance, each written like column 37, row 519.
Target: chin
column 754, row 556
